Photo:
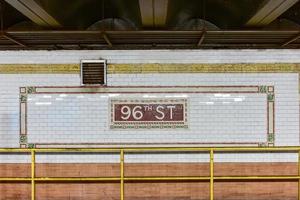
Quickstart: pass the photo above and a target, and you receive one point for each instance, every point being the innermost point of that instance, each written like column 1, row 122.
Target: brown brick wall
column 271, row 190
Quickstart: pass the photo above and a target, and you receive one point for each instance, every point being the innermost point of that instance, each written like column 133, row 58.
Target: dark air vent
column 93, row 72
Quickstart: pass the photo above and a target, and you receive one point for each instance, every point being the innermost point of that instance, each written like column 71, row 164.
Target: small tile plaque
column 148, row 113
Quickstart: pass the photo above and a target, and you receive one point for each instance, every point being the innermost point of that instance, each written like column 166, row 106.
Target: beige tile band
column 150, row 68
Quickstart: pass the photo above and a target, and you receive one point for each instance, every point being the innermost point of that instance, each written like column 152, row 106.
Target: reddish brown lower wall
column 282, row 190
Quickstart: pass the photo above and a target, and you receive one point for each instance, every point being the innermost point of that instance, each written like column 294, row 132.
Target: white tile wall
column 84, row 118
column 286, row 87
column 153, row 56
column 286, row 92
column 9, row 100
column 287, row 111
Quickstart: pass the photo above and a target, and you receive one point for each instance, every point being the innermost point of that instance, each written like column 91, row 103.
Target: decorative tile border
column 152, row 68
column 39, row 68
column 141, row 89
column 267, row 90
column 202, row 68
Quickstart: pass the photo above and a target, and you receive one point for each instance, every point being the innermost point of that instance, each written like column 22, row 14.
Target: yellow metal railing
column 122, row 178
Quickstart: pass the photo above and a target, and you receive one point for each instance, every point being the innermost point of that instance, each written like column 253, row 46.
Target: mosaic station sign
column 149, row 113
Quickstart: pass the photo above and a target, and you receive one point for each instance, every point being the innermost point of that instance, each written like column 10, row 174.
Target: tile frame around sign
column 269, row 91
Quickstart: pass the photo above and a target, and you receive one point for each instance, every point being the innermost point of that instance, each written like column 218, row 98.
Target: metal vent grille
column 93, row 72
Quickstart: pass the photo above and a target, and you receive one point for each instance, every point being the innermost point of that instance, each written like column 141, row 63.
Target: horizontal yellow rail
column 122, row 179
column 150, row 149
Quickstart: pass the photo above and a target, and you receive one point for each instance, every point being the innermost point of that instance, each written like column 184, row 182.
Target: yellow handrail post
column 32, row 175
column 122, row 173
column 299, row 175
column 211, row 164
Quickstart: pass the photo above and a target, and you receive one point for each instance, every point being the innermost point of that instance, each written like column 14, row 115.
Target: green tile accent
column 23, row 139
column 263, row 89
column 30, row 90
column 23, row 98
column 270, row 137
column 31, row 146
column 270, row 97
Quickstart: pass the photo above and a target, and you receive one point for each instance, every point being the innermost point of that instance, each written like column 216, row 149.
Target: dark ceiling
column 132, row 24
column 224, row 14
column 80, row 14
